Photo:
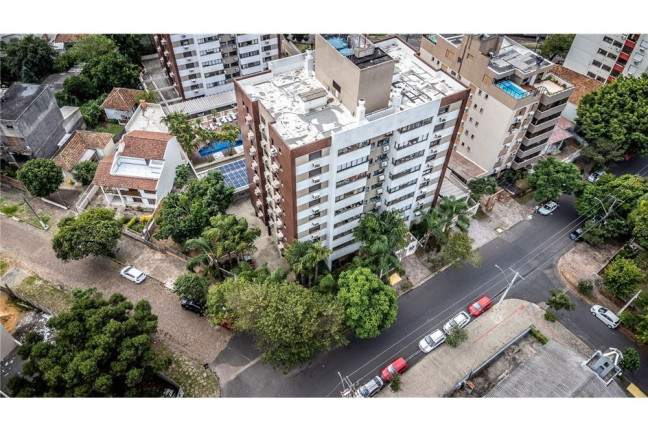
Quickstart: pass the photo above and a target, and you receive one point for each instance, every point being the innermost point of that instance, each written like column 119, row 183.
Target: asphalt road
column 531, row 247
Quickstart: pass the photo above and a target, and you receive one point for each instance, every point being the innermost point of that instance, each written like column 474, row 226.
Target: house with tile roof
column 83, row 146
column 120, row 104
column 142, row 170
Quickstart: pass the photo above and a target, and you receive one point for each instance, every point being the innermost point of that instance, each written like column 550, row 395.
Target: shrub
column 132, row 222
column 84, row 172
column 182, row 174
column 539, row 336
column 630, row 360
column 456, row 337
column 585, row 287
column 630, row 319
column 549, row 316
column 395, row 383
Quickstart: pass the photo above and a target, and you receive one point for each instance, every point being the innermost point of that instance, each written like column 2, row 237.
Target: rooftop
column 72, row 152
column 204, row 104
column 463, row 167
column 453, row 38
column 144, row 145
column 514, row 56
column 18, row 98
column 284, row 94
column 103, row 177
column 121, row 99
column 67, row 38
column 560, row 131
column 582, row 84
column 148, row 119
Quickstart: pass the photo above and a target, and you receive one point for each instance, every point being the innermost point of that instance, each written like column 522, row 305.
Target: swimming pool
column 218, row 146
column 512, row 89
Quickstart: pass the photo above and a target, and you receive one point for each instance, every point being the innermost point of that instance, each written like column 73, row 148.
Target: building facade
column 360, row 127
column 606, row 56
column 515, row 101
column 205, row 64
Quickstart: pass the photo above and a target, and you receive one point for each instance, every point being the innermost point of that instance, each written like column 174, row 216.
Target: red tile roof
column 464, row 167
column 560, row 131
column 71, row 152
column 582, row 84
column 67, row 38
column 104, row 178
column 145, row 145
column 120, row 99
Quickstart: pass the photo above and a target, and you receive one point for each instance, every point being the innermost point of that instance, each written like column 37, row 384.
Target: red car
column 480, row 306
column 397, row 366
column 628, row 157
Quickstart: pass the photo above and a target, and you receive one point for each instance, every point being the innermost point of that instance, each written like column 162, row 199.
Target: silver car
column 370, row 389
column 595, row 176
column 460, row 320
column 548, row 208
column 607, row 316
column 132, row 274
column 431, row 341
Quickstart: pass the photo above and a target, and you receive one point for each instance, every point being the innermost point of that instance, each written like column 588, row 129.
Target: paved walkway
column 502, row 217
column 438, row 371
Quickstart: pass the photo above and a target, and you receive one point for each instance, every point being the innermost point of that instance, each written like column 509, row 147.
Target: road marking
column 634, row 391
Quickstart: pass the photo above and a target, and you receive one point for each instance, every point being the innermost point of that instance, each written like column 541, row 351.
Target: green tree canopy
column 556, row 45
column 638, row 218
column 552, row 178
column 93, row 232
column 369, row 305
column 41, row 177
column 229, row 134
column 433, row 225
column 560, row 300
column 84, row 172
column 630, row 360
column 192, row 287
column 381, row 236
column 185, row 215
column 190, row 136
column 604, row 153
column 457, row 336
column 63, row 62
column 617, row 112
column 459, row 251
column 100, row 348
column 28, row 59
column 92, row 46
column 76, row 91
column 148, row 95
column 305, row 259
column 622, row 277
column 289, row 323
column 92, row 112
column 454, row 212
column 111, row 70
column 129, row 45
column 479, row 187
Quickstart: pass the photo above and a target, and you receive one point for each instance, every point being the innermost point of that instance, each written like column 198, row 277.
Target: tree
column 434, row 226
column 192, row 287
column 148, row 95
column 181, row 176
column 369, row 305
column 381, row 237
column 559, row 300
column 593, row 234
column 28, row 59
column 111, row 70
column 630, row 361
column 617, row 112
column 305, row 258
column 229, row 134
column 456, row 337
column 77, row 90
column 395, row 383
column 129, row 45
column 289, row 323
column 556, row 45
column 93, row 232
column 553, row 178
column 459, row 251
column 622, row 277
column 604, row 153
column 454, row 212
column 642, row 329
column 328, row 285
column 185, row 215
column 479, row 187
column 100, row 348
column 41, row 177
column 638, row 218
column 181, row 127
column 91, row 47
column 63, row 62
column 92, row 112
column 84, row 172
column 208, row 254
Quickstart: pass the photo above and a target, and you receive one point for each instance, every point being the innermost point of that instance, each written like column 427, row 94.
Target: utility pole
column 348, row 388
column 43, row 224
column 634, row 297
column 609, row 210
column 498, row 305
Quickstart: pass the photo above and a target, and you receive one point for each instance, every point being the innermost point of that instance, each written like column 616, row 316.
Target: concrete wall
column 172, row 158
column 121, row 116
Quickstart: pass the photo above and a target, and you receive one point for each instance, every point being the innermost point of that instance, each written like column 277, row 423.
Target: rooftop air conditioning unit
column 426, row 178
column 390, row 133
column 315, row 209
column 381, row 178
column 262, row 127
column 316, row 164
column 316, row 195
column 386, row 148
column 417, row 213
column 618, row 50
column 383, row 164
column 531, row 112
column 525, row 127
column 423, row 190
column 379, row 191
column 315, row 223
column 316, row 179
column 265, row 159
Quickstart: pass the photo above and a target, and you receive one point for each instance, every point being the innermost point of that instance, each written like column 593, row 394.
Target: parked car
column 370, row 389
column 576, row 235
column 595, row 176
column 192, row 306
column 628, row 157
column 548, row 208
column 480, row 306
column 460, row 320
column 397, row 366
column 132, row 274
column 607, row 316
column 431, row 341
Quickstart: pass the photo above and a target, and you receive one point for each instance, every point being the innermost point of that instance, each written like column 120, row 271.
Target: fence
column 160, row 248
column 11, row 182
column 86, row 197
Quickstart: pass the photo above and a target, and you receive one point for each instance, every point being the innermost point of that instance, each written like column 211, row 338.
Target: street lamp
column 498, row 317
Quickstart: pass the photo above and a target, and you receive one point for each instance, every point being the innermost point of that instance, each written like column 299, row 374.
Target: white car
column 607, row 316
column 132, row 274
column 369, row 389
column 548, row 208
column 460, row 320
column 595, row 176
column 431, row 341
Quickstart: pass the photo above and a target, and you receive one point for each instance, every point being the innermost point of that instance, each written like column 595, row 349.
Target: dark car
column 577, row 234
column 192, row 306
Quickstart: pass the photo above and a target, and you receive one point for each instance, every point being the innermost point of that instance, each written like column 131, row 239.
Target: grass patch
column 3, row 267
column 195, row 380
column 10, row 210
column 538, row 335
column 481, row 214
column 302, row 46
column 525, row 197
column 46, row 294
column 110, row 128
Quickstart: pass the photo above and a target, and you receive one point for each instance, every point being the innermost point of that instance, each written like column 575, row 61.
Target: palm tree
column 454, row 210
column 232, row 234
column 434, row 228
column 382, row 236
column 229, row 134
column 208, row 256
column 186, row 133
column 296, row 255
column 315, row 255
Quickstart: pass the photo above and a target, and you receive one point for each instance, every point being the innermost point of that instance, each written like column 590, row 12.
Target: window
column 596, row 63
column 195, row 87
column 352, row 163
column 266, row 37
column 444, row 109
column 249, row 54
column 481, row 110
column 408, row 158
column 606, row 68
column 617, row 44
column 314, row 155
column 267, row 48
column 187, row 54
column 601, row 79
column 212, row 62
column 602, row 51
column 475, row 106
column 248, row 43
column 463, row 144
column 612, row 56
column 353, row 147
column 336, row 86
column 248, row 65
column 415, row 125
column 476, row 124
column 470, row 120
column 472, row 136
column 479, row 92
column 184, row 42
column 315, row 188
column 468, row 148
column 439, row 127
column 313, row 173
column 211, row 74
column 485, row 96
column 208, row 39
column 607, row 39
column 209, row 51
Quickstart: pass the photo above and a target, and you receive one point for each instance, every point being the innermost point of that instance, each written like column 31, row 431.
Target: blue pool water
column 216, row 147
column 512, row 89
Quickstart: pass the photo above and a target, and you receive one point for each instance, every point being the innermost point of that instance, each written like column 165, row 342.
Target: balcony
column 630, row 44
column 277, row 197
column 257, row 191
column 523, row 162
column 274, row 167
column 624, row 56
column 276, row 184
column 259, row 204
column 253, row 151
column 617, row 67
column 255, row 165
column 255, row 179
column 280, row 223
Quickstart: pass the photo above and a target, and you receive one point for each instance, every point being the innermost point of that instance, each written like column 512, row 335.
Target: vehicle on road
column 595, row 176
column 480, row 306
column 133, row 274
column 431, row 341
column 192, row 306
column 628, row 157
column 460, row 320
column 608, row 317
column 370, row 389
column 548, row 208
column 576, row 235
column 397, row 366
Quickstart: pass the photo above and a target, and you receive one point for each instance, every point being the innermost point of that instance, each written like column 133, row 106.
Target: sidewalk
column 163, row 267
column 502, row 217
column 438, row 371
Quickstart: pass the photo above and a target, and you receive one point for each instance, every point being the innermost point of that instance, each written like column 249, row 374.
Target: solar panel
column 234, row 173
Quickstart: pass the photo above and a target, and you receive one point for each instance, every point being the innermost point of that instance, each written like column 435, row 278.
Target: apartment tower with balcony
column 606, row 56
column 353, row 127
column 205, row 64
column 515, row 101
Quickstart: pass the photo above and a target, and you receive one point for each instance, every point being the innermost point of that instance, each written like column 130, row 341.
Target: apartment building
column 606, row 56
column 356, row 127
column 205, row 64
column 515, row 101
